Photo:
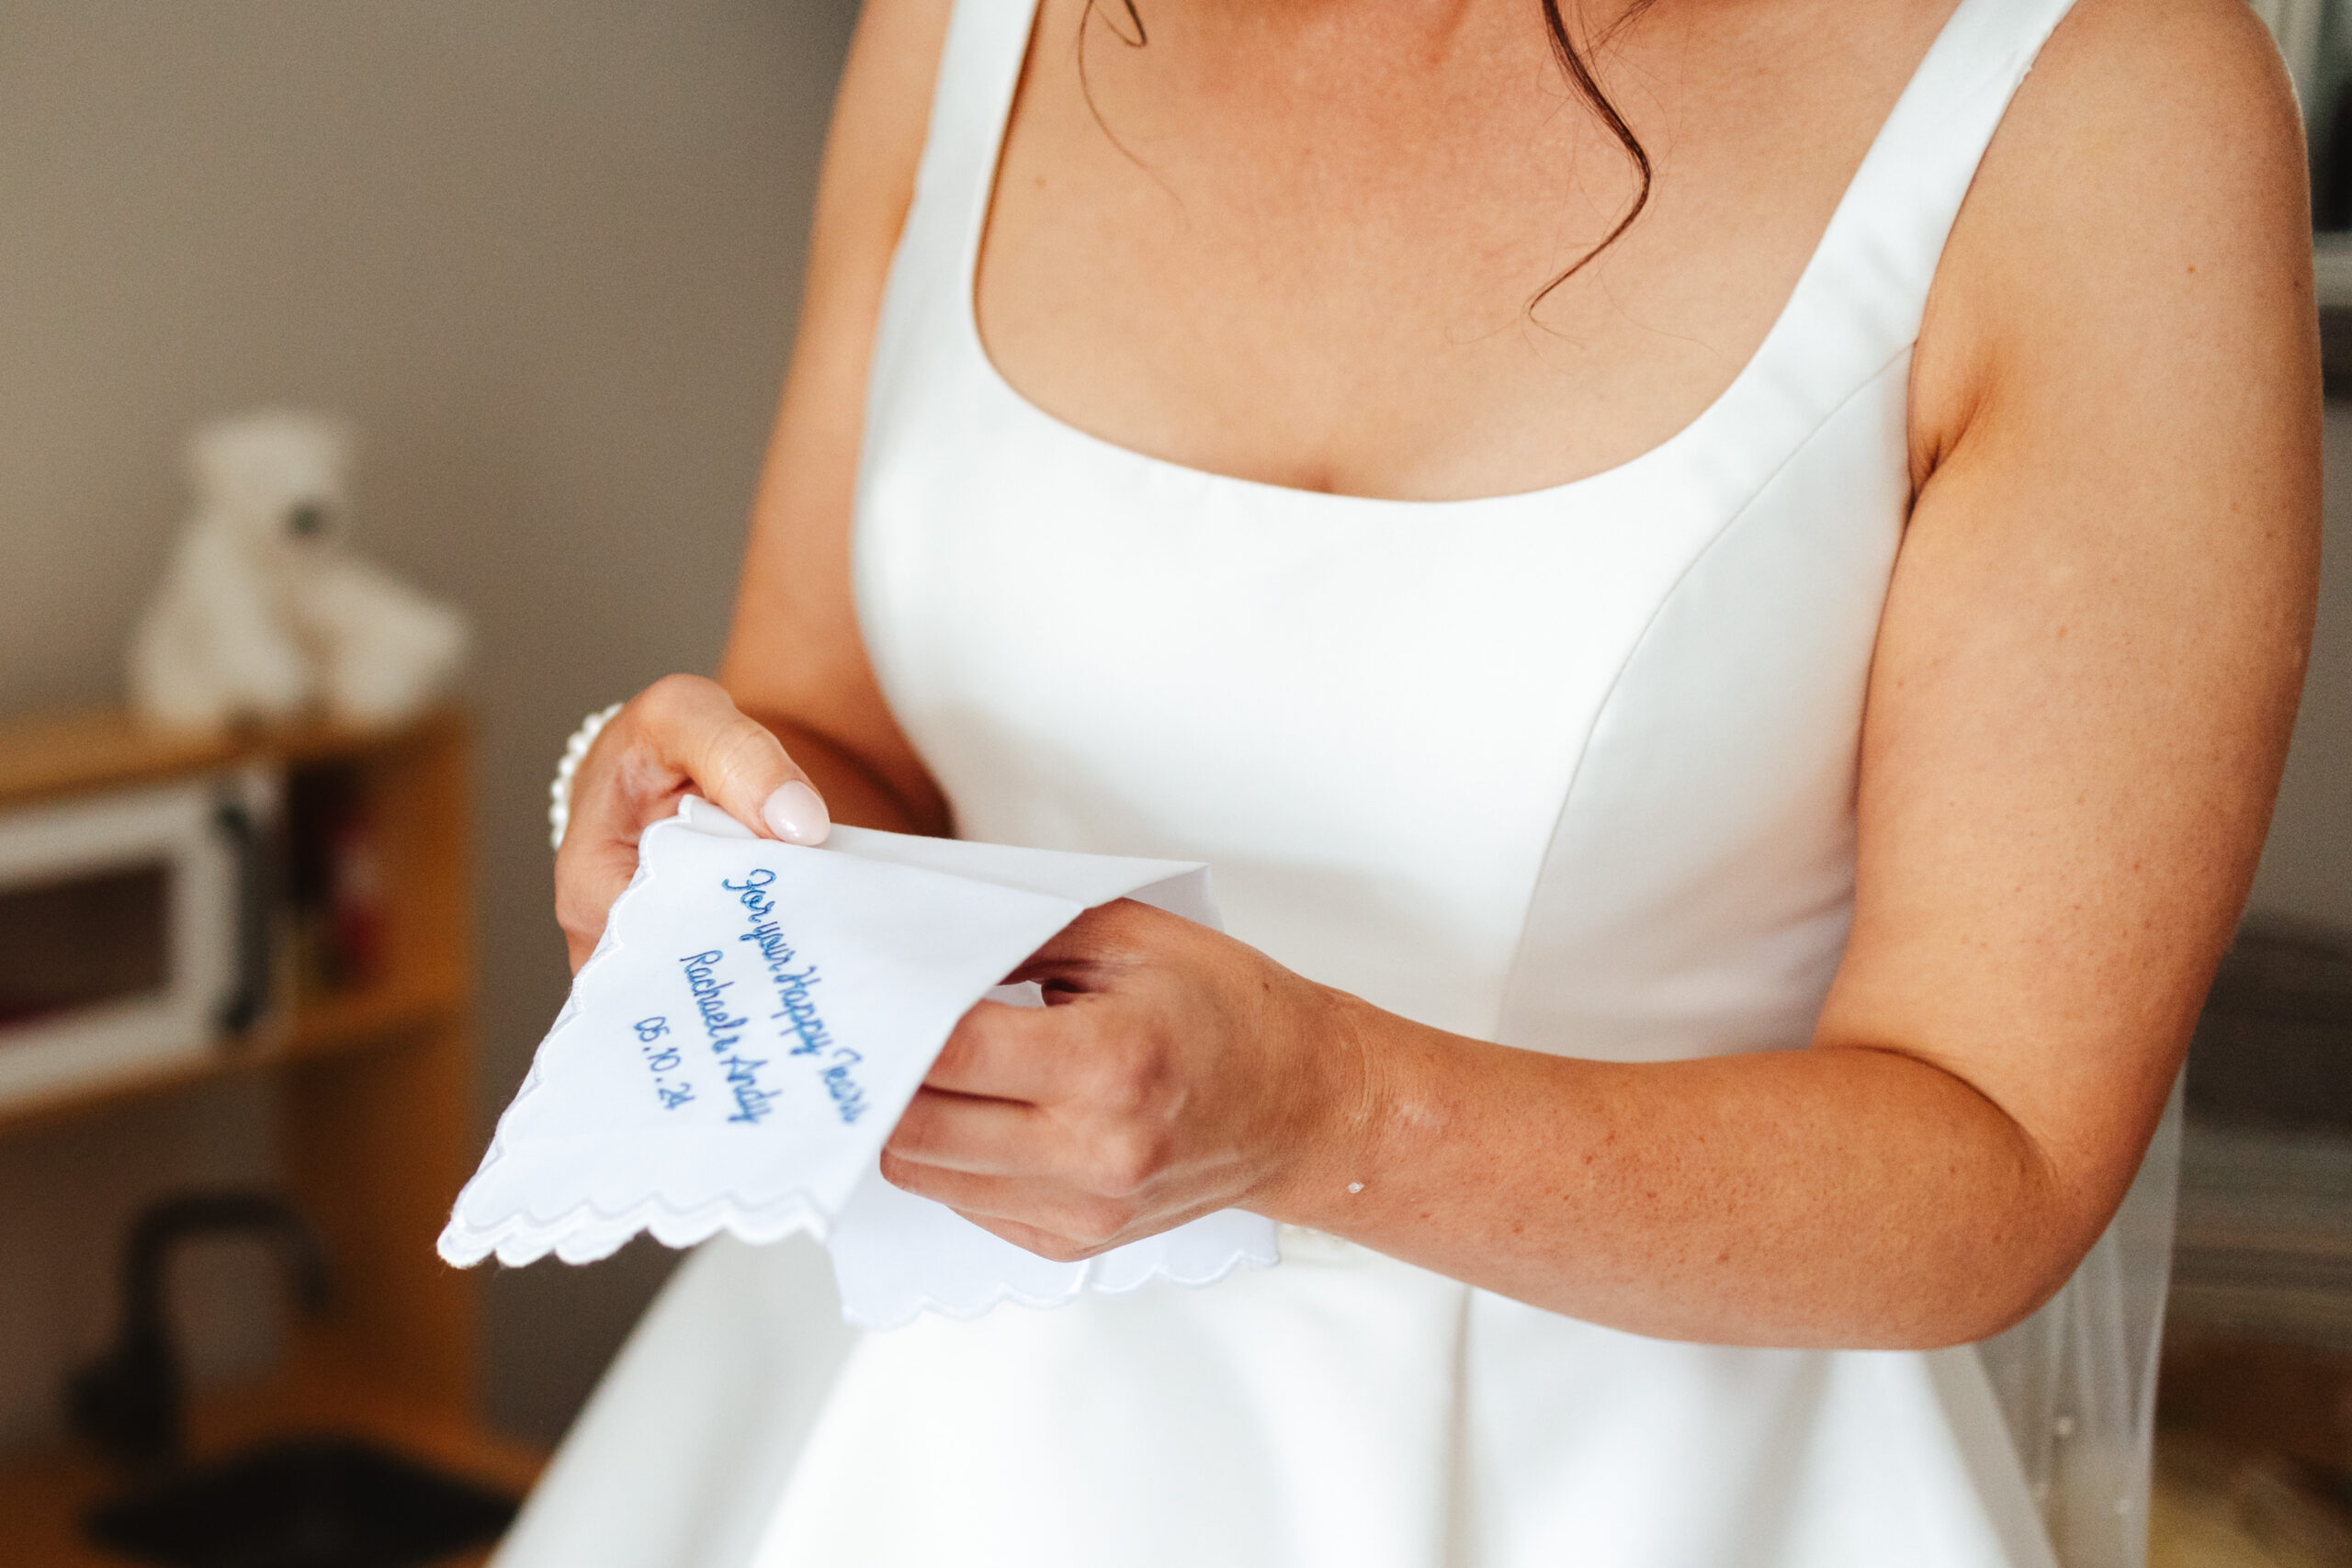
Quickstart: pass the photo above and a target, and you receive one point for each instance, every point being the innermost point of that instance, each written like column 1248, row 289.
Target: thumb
column 738, row 764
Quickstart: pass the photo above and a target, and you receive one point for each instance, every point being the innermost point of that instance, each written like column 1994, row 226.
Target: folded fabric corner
column 751, row 1027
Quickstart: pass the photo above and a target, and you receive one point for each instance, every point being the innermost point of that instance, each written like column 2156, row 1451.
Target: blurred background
column 545, row 254
column 544, row 257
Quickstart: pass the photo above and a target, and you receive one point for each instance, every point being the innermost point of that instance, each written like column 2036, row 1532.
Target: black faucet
column 130, row 1401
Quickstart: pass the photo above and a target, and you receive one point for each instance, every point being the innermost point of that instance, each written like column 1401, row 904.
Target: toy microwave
column 134, row 930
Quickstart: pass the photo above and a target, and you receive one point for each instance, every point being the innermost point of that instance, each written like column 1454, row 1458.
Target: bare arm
column 793, row 657
column 795, row 732
column 2085, row 681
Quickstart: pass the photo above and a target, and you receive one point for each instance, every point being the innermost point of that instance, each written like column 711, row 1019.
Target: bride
column 1723, row 583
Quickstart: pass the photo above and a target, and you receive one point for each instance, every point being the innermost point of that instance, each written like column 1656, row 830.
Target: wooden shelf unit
column 371, row 1090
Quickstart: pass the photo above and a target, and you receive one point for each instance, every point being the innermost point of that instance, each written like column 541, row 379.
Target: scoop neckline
column 1750, row 374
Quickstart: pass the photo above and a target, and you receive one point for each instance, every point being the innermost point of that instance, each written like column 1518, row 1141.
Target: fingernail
column 796, row 815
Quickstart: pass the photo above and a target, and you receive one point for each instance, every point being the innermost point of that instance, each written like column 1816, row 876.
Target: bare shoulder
column 794, row 655
column 881, row 116
column 2142, row 208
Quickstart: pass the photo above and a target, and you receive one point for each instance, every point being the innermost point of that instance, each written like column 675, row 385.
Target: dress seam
column 1633, row 651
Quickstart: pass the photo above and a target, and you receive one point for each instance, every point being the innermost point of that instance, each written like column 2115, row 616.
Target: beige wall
column 547, row 252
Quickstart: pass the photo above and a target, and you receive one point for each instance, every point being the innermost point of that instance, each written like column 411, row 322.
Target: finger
column 1103, row 941
column 1001, row 1052
column 980, row 1137
column 1043, row 1243
column 975, row 1195
column 590, row 874
column 733, row 759
column 1030, row 1238
column 681, row 732
column 1020, row 1212
column 596, row 859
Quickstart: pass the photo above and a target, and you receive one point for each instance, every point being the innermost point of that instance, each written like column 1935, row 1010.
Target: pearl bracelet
column 560, row 791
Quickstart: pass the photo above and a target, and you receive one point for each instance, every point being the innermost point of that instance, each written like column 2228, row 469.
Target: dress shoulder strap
column 980, row 69
column 1877, row 260
column 1858, row 305
column 926, row 329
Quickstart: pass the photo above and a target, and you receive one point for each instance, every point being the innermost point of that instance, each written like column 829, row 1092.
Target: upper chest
column 1310, row 244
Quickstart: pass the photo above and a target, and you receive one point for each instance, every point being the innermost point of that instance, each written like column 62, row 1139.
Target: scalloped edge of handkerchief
column 967, row 1310
column 585, row 1232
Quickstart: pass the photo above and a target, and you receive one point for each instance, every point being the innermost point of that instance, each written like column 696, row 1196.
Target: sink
column 315, row 1502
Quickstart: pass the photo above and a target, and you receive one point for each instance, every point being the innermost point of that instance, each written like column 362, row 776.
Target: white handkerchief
column 750, row 1029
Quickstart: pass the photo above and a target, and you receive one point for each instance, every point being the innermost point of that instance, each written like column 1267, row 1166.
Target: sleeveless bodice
column 1574, row 769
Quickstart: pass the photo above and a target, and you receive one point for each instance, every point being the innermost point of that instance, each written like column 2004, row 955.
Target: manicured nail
column 796, row 815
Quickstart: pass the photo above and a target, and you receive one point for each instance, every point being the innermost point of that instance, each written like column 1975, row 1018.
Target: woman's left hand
column 1172, row 1072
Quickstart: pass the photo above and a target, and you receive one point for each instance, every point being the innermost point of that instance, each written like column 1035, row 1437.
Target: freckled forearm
column 1828, row 1196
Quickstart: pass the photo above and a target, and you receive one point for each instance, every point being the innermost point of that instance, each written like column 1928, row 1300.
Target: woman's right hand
column 681, row 734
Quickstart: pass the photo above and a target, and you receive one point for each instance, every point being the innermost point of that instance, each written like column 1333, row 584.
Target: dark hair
column 1579, row 73
column 1573, row 66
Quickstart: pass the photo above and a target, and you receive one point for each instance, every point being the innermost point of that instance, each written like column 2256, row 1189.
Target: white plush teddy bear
column 263, row 612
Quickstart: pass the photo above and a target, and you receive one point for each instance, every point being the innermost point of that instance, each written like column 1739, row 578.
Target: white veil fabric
column 2077, row 1380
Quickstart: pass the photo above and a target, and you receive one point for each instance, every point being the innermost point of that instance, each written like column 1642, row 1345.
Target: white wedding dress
column 1573, row 770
